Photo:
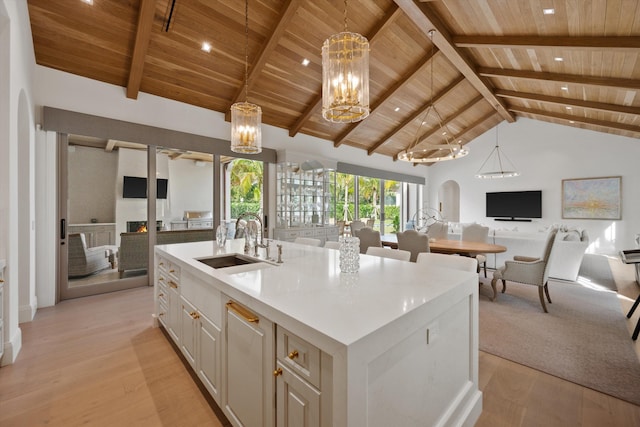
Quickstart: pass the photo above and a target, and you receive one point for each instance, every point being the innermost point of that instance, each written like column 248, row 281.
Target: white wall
column 545, row 154
column 190, row 188
column 92, row 174
column 17, row 161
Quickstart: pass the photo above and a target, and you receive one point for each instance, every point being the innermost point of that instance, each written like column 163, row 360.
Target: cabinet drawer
column 162, row 292
column 168, row 268
column 163, row 313
column 299, row 355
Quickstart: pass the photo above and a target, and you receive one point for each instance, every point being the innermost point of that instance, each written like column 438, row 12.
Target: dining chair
column 448, row 261
column 330, row 244
column 368, row 237
column 309, row 241
column 389, row 253
column 438, row 230
column 371, row 222
column 528, row 270
column 341, row 225
column 355, row 226
column 477, row 233
column 414, row 242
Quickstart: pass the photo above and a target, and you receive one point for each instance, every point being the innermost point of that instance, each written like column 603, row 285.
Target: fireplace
column 141, row 226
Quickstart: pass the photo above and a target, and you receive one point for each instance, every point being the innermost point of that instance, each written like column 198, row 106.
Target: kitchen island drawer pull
column 246, row 314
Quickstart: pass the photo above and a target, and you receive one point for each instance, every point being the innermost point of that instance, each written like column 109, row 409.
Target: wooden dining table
column 448, row 246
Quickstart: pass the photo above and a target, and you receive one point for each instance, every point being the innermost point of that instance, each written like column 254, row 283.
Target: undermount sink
column 227, row 261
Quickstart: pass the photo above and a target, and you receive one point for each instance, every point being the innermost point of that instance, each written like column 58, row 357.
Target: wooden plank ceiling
column 492, row 60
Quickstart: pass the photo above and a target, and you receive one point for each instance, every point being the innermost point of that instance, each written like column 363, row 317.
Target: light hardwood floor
column 97, row 361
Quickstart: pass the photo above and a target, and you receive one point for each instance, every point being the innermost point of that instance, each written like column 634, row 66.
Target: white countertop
column 309, row 288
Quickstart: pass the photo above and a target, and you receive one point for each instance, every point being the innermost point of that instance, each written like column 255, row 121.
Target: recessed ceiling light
column 206, row 47
column 565, row 88
column 549, row 11
column 568, row 108
column 558, row 59
column 571, row 121
column 396, row 109
column 305, row 62
column 88, row 2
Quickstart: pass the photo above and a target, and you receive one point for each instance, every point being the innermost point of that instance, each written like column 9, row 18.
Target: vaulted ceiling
column 491, row 60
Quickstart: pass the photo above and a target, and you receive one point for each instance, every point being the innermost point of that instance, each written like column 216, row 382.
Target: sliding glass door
column 92, row 214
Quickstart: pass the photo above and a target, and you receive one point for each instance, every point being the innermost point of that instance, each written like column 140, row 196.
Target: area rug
column 595, row 269
column 583, row 339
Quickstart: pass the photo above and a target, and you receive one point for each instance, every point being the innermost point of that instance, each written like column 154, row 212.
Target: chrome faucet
column 247, row 247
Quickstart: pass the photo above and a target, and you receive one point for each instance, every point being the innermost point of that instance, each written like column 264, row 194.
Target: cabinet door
column 248, row 371
column 188, row 327
column 173, row 316
column 298, row 402
column 208, row 356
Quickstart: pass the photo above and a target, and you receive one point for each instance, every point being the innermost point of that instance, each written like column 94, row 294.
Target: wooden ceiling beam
column 414, row 116
column 143, row 35
column 633, row 84
column 520, row 42
column 393, row 90
column 558, row 100
column 577, row 119
column 287, row 13
column 424, row 16
column 393, row 13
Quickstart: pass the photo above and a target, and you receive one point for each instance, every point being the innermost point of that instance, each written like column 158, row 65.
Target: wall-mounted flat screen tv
column 136, row 188
column 514, row 204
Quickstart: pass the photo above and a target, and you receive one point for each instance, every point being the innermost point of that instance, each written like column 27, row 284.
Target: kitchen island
column 299, row 343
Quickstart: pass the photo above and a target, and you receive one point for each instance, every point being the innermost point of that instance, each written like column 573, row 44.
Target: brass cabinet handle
column 160, row 314
column 1, row 280
column 248, row 316
column 194, row 315
column 172, row 271
column 160, row 279
column 173, row 284
column 160, row 295
column 277, row 372
column 161, row 263
column 293, row 354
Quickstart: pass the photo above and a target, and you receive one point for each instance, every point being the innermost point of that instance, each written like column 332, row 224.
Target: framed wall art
column 592, row 198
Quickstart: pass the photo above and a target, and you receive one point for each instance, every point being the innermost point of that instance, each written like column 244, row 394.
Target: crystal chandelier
column 345, row 76
column 246, row 133
column 422, row 152
column 497, row 168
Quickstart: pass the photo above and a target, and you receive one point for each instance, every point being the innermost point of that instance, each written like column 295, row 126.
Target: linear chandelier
column 345, row 76
column 246, row 118
column 423, row 152
column 497, row 168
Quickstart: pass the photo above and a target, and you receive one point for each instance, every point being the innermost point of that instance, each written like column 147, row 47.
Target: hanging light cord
column 431, row 106
column 246, row 51
column 345, row 16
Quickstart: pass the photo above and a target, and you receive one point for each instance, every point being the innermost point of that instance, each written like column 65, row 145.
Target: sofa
column 133, row 253
column 566, row 257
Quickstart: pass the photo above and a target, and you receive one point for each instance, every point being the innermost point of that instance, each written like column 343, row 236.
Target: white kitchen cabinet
column 208, row 356
column 248, row 364
column 298, row 386
column 200, row 345
column 168, row 279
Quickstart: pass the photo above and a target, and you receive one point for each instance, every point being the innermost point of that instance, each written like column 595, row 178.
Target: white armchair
column 527, row 270
column 84, row 261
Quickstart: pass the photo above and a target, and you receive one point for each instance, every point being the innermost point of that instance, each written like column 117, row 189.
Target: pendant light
column 246, row 118
column 499, row 165
column 345, row 76
column 420, row 151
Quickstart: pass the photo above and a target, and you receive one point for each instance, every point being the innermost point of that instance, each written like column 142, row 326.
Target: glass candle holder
column 221, row 234
column 349, row 254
